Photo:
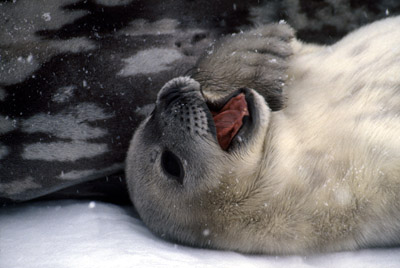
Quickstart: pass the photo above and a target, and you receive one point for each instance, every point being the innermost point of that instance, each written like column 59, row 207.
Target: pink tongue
column 229, row 120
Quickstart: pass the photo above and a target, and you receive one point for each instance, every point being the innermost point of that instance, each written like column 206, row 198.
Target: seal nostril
column 172, row 166
column 170, row 98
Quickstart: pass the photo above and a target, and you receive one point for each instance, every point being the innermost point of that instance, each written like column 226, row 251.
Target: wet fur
column 321, row 174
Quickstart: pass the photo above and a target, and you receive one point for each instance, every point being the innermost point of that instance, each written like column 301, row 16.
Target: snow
column 94, row 234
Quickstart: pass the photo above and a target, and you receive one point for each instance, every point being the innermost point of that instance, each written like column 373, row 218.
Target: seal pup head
column 185, row 172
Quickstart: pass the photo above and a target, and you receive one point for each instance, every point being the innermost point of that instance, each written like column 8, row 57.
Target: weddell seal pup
column 215, row 166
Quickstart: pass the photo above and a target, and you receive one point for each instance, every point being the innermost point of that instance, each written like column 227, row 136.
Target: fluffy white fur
column 322, row 174
column 336, row 145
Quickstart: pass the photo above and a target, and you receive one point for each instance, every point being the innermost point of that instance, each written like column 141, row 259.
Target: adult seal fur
column 321, row 174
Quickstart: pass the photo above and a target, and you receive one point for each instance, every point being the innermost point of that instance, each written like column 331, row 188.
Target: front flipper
column 255, row 59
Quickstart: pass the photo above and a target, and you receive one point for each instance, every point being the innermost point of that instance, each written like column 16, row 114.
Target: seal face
column 176, row 153
column 322, row 174
column 230, row 120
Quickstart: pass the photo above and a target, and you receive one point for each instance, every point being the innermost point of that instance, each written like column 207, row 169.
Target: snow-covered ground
column 82, row 234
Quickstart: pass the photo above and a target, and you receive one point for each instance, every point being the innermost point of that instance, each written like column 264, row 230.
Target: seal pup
column 321, row 174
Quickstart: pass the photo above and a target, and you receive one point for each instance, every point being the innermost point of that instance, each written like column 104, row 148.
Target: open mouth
column 232, row 117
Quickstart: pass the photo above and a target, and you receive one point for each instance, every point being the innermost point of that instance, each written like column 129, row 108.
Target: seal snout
column 229, row 120
column 182, row 107
column 176, row 87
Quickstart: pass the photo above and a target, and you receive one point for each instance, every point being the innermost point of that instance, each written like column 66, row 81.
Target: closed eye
column 172, row 166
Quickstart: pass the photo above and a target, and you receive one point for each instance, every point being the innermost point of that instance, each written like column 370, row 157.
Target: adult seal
column 214, row 166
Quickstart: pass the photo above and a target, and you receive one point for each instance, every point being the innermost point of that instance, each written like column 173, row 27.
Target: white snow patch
column 63, row 94
column 76, row 174
column 206, row 232
column 71, row 234
column 92, row 204
column 24, row 60
column 6, row 124
column 143, row 27
column 150, row 61
column 29, row 58
column 70, row 123
column 79, row 174
column 16, row 69
column 46, row 16
column 63, row 151
column 73, row 45
column 113, row 2
column 18, row 186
